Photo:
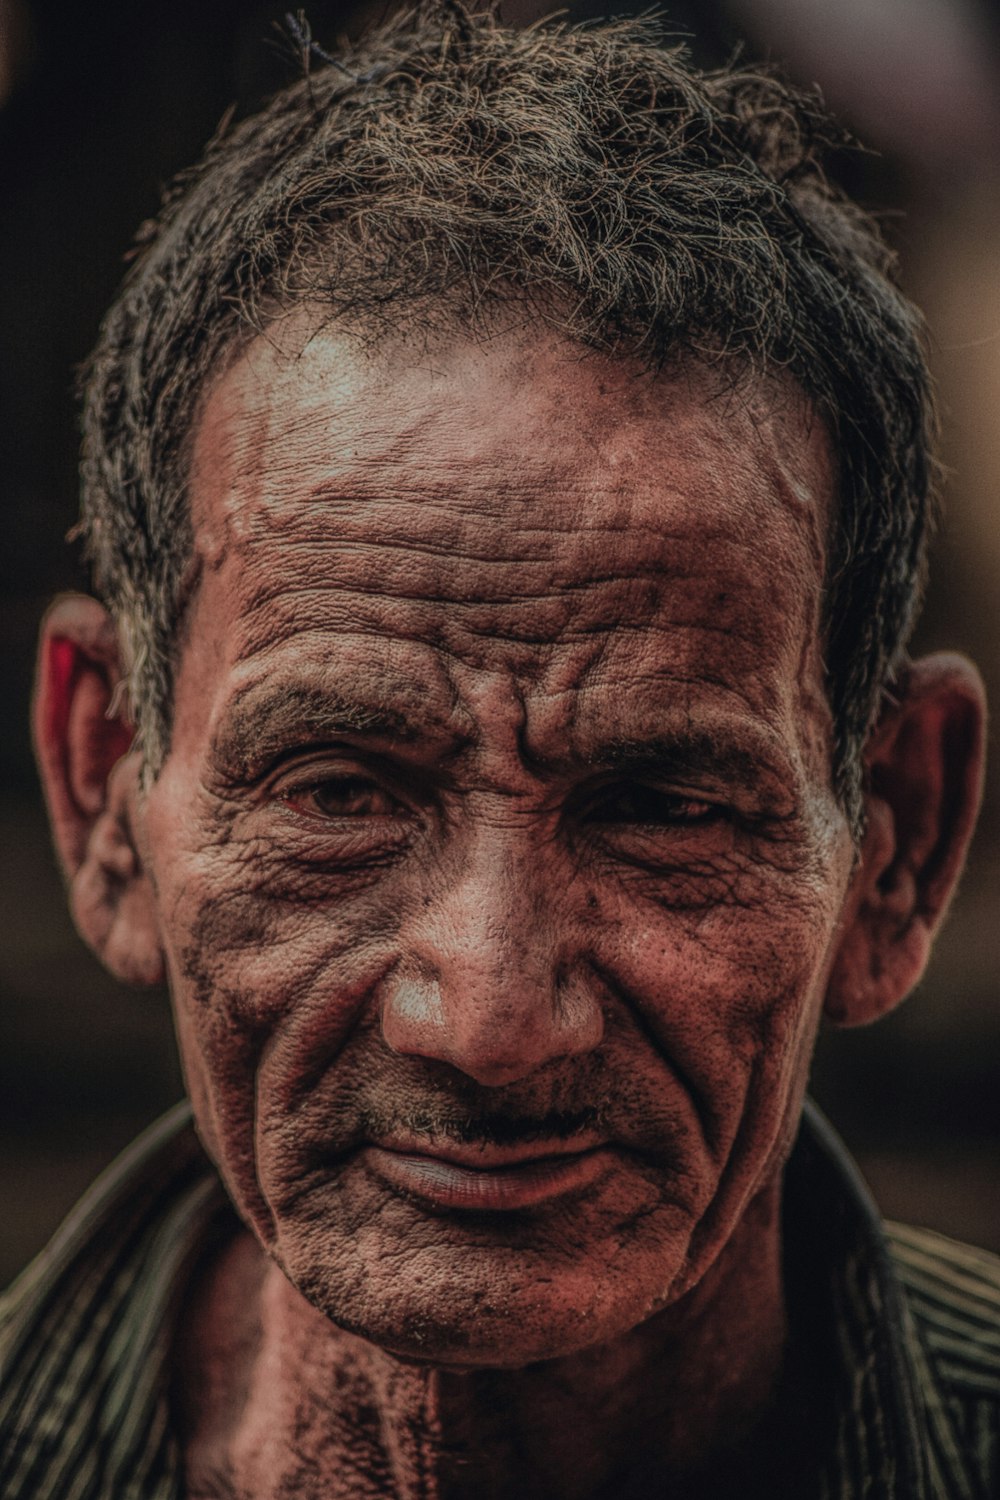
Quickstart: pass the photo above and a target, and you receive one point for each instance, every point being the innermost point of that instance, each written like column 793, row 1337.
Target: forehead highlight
column 390, row 423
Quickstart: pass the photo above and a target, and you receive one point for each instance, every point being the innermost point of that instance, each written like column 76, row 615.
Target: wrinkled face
column 496, row 857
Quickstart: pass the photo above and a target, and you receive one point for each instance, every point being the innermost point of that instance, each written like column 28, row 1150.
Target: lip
column 488, row 1179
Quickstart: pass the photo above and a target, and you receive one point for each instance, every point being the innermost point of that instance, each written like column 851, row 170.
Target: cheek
column 729, row 995
column 267, row 989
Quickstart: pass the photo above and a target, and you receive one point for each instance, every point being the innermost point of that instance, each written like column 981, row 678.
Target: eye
column 344, row 797
column 650, row 807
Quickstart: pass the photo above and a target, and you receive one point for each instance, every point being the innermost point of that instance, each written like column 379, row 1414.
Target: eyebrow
column 264, row 720
column 693, row 751
column 696, row 753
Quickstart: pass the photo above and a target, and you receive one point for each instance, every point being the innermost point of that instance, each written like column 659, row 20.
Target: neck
column 277, row 1399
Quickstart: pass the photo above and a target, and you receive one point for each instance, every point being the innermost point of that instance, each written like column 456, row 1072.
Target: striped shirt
column 911, row 1319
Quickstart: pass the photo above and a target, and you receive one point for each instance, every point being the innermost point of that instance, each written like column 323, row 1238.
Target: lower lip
column 444, row 1184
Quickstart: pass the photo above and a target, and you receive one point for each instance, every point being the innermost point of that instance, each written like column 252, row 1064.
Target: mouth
column 487, row 1179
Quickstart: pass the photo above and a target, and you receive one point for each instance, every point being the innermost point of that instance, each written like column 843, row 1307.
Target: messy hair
column 449, row 163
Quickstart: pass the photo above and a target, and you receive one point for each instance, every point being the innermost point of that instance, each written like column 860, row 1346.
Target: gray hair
column 627, row 200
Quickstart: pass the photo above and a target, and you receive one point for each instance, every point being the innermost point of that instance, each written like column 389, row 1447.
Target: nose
column 488, row 980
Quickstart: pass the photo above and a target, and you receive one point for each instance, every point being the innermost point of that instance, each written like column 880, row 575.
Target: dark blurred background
column 99, row 105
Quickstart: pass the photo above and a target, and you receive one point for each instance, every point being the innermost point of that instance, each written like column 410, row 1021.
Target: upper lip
column 485, row 1157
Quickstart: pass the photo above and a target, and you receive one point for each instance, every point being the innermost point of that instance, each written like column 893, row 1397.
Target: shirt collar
column 879, row 1450
column 124, row 1258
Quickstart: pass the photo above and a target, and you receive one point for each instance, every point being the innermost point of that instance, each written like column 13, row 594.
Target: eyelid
column 311, row 766
column 758, row 805
column 376, row 803
column 308, row 770
column 335, row 837
column 699, row 813
column 614, row 787
column 307, row 777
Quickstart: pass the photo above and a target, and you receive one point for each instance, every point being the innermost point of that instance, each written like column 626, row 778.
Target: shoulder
column 84, row 1331
column 952, row 1313
column 953, row 1296
column 108, row 1229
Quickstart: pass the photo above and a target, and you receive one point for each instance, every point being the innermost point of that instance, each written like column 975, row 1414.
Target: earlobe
column 91, row 783
column 925, row 772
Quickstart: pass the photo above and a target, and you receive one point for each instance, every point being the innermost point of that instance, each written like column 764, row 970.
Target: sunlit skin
column 498, row 877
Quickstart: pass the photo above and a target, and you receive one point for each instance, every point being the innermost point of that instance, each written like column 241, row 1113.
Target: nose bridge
column 492, row 925
column 489, row 939
column 485, row 980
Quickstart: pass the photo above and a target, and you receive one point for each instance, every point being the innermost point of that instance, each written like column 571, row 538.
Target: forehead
column 516, row 509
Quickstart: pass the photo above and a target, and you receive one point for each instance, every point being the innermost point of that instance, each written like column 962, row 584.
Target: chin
column 493, row 1315
column 497, row 1342
column 485, row 1290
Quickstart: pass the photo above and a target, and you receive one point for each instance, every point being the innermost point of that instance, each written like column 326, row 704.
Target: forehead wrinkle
column 400, row 563
column 468, row 531
column 429, row 480
column 325, row 431
column 700, row 473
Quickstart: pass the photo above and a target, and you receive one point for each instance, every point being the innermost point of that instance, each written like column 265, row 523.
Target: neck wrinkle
column 408, row 1402
column 666, row 1401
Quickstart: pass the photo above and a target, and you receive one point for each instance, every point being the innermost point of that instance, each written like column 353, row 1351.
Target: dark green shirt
column 909, row 1324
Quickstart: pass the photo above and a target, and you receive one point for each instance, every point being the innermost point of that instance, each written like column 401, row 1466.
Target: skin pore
column 499, row 881
column 502, row 794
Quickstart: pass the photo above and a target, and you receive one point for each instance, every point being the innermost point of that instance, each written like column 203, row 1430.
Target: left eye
column 648, row 807
column 345, row 797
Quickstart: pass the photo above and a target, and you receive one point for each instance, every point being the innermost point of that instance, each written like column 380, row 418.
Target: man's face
column 496, row 858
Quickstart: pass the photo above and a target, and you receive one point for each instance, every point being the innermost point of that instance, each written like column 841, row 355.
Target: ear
column 91, row 782
column 924, row 767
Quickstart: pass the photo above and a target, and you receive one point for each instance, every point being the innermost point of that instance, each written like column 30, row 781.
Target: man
column 507, row 475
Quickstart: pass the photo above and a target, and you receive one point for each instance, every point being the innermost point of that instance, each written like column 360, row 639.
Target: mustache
column 479, row 1129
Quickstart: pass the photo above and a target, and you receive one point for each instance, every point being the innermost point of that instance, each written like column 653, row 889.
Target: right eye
column 343, row 797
